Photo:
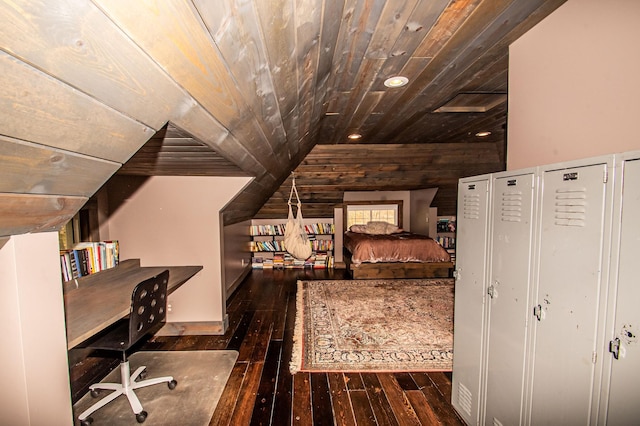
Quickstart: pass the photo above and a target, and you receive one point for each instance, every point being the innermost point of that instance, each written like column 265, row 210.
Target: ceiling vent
column 473, row 102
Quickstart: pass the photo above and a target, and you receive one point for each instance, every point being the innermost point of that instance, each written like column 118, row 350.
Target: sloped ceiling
column 258, row 84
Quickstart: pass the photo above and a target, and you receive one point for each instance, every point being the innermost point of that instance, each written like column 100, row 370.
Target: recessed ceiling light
column 483, row 134
column 397, row 81
column 354, row 136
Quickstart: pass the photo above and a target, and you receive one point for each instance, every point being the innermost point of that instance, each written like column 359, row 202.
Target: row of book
column 278, row 229
column 88, row 258
column 286, row 261
column 320, row 228
column 270, row 245
column 278, row 245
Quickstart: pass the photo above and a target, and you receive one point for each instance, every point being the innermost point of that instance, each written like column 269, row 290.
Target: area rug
column 201, row 376
column 374, row 325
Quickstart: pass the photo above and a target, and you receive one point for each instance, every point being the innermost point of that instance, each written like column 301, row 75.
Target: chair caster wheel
column 95, row 393
column 143, row 375
column 141, row 416
column 172, row 384
column 86, row 422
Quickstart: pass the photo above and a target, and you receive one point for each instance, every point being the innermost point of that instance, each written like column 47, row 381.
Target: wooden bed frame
column 390, row 270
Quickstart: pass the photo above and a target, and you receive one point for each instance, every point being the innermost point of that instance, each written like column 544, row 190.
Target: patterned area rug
column 374, row 325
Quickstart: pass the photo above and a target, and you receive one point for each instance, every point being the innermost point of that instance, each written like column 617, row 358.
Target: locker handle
column 538, row 312
column 492, row 292
column 614, row 347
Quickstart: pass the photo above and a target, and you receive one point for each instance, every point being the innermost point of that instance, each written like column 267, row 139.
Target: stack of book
column 321, row 260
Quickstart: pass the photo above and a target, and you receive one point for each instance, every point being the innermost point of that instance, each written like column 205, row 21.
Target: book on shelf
column 88, row 258
column 446, row 225
column 278, row 229
column 269, row 239
column 446, row 242
column 283, row 260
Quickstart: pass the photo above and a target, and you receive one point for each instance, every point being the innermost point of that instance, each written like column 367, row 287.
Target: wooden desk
column 94, row 302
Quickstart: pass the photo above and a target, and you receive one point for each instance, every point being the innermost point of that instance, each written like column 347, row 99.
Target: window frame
column 372, row 203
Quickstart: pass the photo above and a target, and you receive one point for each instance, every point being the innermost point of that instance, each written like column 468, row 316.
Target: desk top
column 94, row 302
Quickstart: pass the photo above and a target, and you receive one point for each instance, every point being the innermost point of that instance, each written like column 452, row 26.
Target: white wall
column 176, row 221
column 35, row 388
column 420, row 208
column 574, row 84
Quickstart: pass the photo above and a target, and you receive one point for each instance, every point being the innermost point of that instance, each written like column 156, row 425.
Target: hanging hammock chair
column 296, row 241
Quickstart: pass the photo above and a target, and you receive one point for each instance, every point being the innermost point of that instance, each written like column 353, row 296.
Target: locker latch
column 538, row 312
column 492, row 291
column 614, row 347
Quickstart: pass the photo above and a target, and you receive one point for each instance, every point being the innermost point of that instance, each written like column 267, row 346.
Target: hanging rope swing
column 296, row 240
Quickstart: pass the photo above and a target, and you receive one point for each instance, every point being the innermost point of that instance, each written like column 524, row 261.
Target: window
column 361, row 214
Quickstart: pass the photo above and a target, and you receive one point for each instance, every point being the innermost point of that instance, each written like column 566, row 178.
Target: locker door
column 570, row 254
column 624, row 391
column 470, row 290
column 509, row 287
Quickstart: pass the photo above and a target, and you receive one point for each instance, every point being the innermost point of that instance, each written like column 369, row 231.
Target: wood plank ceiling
column 250, row 87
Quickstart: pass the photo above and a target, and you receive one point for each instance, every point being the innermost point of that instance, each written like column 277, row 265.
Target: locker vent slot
column 571, row 207
column 497, row 422
column 471, row 206
column 511, row 207
column 464, row 399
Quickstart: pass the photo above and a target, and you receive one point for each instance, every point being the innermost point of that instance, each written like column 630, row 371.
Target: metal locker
column 470, row 288
column 624, row 358
column 512, row 227
column 571, row 257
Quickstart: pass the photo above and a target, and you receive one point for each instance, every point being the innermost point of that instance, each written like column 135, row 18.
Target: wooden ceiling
column 257, row 88
column 454, row 53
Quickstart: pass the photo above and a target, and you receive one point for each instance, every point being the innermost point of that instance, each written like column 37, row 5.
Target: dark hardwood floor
column 262, row 391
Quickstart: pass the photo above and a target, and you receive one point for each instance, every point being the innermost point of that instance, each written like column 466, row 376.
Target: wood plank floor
column 261, row 391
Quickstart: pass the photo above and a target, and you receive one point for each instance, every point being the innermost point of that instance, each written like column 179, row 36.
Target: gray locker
column 470, row 290
column 622, row 401
column 512, row 227
column 571, row 257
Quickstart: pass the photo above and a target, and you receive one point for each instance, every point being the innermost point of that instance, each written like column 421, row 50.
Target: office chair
column 147, row 315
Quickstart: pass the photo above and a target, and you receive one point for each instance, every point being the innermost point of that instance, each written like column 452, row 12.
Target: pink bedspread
column 400, row 247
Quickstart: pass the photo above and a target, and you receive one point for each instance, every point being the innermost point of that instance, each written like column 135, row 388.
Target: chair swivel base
column 127, row 387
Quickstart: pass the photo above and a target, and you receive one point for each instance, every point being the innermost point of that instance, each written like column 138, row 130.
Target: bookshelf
column 268, row 250
column 446, row 234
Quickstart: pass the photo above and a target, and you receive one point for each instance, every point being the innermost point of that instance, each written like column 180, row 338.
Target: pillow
column 381, row 228
column 375, row 228
column 360, row 229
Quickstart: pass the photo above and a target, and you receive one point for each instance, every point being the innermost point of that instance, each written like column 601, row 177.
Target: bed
column 394, row 255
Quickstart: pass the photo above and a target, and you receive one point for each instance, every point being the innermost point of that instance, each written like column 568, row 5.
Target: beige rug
column 201, row 376
column 374, row 325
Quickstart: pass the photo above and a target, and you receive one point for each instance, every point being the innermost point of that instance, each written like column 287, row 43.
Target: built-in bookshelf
column 446, row 234
column 268, row 250
column 88, row 258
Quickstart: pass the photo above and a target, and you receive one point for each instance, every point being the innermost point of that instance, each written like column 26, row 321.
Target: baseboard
column 195, row 328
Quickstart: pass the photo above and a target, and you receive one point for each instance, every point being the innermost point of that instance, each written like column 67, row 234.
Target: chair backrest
column 148, row 306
